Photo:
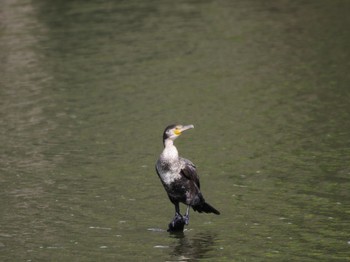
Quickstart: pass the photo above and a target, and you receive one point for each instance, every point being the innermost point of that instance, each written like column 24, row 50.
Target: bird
column 180, row 179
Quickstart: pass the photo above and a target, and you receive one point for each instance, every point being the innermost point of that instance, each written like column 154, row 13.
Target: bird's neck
column 170, row 153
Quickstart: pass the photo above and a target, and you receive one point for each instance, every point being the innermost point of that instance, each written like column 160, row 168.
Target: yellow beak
column 180, row 129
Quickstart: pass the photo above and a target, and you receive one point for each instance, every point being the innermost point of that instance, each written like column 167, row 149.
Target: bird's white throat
column 169, row 160
column 170, row 153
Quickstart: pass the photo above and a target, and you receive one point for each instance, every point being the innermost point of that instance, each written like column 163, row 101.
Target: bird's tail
column 205, row 207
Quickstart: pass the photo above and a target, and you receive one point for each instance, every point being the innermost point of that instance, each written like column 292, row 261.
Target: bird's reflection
column 193, row 247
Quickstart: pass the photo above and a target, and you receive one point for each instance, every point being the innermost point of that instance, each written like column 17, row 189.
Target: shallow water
column 87, row 88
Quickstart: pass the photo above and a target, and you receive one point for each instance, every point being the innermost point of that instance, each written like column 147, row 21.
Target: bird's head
column 174, row 131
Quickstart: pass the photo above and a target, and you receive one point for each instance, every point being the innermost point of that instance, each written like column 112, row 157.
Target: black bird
column 180, row 180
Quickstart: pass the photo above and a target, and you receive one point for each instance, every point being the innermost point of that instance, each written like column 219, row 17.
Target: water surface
column 87, row 88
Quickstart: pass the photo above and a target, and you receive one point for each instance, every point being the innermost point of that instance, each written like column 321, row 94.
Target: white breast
column 169, row 177
column 168, row 165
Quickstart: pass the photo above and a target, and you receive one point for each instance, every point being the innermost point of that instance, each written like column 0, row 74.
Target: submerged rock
column 177, row 225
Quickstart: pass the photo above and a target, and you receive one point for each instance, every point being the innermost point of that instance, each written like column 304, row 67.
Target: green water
column 87, row 88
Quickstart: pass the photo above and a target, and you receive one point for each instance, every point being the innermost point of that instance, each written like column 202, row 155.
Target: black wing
column 190, row 172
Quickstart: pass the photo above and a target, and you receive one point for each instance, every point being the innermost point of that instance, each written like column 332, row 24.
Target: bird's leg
column 178, row 217
column 187, row 215
column 177, row 210
column 178, row 222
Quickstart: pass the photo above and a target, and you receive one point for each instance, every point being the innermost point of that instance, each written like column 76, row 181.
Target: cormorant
column 180, row 180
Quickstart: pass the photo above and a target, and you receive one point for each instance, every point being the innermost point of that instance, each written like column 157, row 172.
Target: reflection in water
column 193, row 247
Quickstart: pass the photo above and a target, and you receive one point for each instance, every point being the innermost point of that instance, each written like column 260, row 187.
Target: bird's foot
column 177, row 225
column 186, row 219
